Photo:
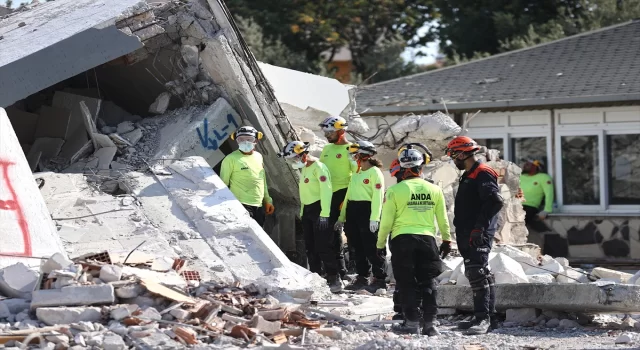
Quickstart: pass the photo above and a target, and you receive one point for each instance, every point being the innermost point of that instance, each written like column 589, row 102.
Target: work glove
column 542, row 215
column 323, row 223
column 338, row 226
column 382, row 253
column 445, row 249
column 269, row 208
column 476, row 238
column 373, row 225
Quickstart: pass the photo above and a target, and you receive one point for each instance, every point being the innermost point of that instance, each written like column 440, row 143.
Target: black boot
column 429, row 329
column 480, row 326
column 359, row 283
column 493, row 321
column 335, row 283
column 397, row 317
column 375, row 284
column 464, row 325
column 407, row 327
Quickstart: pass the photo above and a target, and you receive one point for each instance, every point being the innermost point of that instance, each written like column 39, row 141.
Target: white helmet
column 410, row 158
column 246, row 131
column 333, row 124
column 294, row 149
column 362, row 147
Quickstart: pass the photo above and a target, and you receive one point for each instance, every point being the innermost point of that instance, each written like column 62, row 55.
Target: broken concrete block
column 16, row 306
column 102, row 140
column 621, row 277
column 552, row 323
column 50, row 147
column 552, row 267
column 571, row 275
column 4, row 311
column 66, row 315
column 56, row 262
column 108, row 130
column 151, row 313
column 190, row 55
column 273, row 315
column 113, row 341
column 507, row 270
column 134, row 136
column 563, row 261
column 24, row 124
column 522, row 315
column 53, row 122
column 110, row 273
column 264, row 326
column 104, row 156
column 73, row 295
column 125, row 127
column 568, row 324
column 58, row 338
column 180, row 314
column 123, row 311
column 162, row 264
column 130, row 291
column 18, row 281
column 160, row 105
column 542, row 278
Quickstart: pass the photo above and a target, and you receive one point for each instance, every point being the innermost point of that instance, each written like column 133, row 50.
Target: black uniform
column 477, row 202
column 336, row 200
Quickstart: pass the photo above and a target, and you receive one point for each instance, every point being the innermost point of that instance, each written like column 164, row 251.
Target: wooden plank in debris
column 157, row 288
column 224, row 307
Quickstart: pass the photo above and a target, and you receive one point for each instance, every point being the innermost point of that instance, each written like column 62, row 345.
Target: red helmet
column 394, row 168
column 461, row 144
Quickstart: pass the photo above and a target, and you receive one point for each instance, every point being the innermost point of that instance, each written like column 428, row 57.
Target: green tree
column 469, row 27
column 271, row 51
column 8, row 3
column 313, row 27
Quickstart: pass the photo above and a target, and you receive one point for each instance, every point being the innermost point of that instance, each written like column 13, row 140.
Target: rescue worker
column 360, row 216
column 408, row 214
column 243, row 172
column 537, row 188
column 477, row 204
column 336, row 157
column 394, row 170
column 315, row 197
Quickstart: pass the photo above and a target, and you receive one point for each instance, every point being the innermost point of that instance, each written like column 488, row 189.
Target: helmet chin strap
column 342, row 138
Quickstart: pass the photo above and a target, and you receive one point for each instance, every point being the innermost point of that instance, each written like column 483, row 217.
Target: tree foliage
column 313, row 27
column 468, row 27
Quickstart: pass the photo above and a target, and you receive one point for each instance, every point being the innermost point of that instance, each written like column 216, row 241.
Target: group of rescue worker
column 344, row 189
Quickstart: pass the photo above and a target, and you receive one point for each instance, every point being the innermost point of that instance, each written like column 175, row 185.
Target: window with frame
column 525, row 148
column 623, row 180
column 493, row 143
column 580, row 170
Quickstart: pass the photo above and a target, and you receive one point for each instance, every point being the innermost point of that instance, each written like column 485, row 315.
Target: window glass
column 524, row 148
column 492, row 144
column 624, row 168
column 580, row 170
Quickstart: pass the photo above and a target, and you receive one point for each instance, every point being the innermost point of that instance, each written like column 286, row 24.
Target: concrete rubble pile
column 90, row 301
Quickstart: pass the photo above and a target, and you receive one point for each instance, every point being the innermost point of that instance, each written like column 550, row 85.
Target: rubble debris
column 18, row 281
column 73, row 295
column 160, row 105
column 65, row 315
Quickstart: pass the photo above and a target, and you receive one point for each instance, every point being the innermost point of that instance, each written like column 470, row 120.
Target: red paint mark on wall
column 13, row 204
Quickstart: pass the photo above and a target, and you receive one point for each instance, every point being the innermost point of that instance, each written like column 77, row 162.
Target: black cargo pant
column 416, row 263
column 336, row 199
column 362, row 240
column 257, row 213
column 476, row 269
column 318, row 243
column 397, row 298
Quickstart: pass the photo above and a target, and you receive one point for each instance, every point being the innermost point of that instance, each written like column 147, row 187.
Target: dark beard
column 459, row 164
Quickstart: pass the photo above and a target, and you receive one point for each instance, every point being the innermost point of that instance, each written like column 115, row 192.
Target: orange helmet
column 461, row 144
column 394, row 168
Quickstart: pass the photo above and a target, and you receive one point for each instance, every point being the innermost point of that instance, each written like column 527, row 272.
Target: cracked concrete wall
column 27, row 228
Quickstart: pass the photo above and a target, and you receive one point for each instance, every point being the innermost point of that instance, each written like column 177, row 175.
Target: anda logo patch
column 420, row 202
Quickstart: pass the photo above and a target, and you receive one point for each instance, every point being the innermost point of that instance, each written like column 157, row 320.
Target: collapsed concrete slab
column 73, row 295
column 27, row 228
column 592, row 297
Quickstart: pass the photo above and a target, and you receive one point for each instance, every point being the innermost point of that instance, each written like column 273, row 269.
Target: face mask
column 246, row 146
column 298, row 164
